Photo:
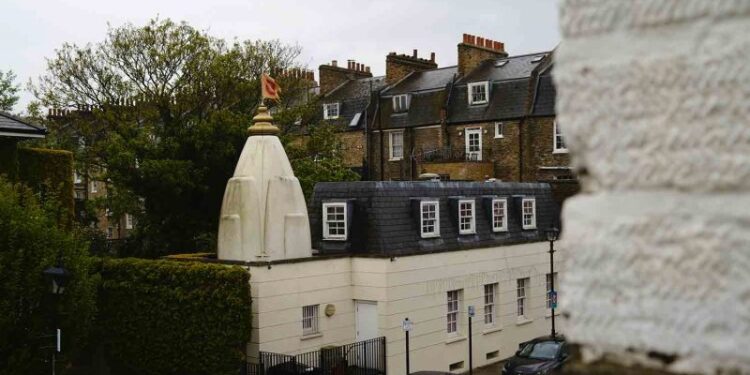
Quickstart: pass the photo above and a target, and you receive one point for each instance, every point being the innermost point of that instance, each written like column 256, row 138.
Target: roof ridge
column 524, row 55
column 25, row 122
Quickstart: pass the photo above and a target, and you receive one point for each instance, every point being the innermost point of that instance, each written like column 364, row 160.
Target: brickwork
column 474, row 50
column 352, row 148
column 331, row 76
column 538, row 152
column 467, row 170
column 399, row 66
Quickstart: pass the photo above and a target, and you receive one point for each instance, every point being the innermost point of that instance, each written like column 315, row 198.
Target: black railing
column 359, row 358
column 447, row 154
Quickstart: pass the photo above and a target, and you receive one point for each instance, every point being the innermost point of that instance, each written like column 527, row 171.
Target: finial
column 263, row 123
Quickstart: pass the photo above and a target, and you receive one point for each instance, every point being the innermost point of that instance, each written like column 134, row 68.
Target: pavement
column 493, row 369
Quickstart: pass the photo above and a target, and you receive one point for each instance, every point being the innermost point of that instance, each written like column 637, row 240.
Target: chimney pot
column 367, row 69
column 414, row 54
column 432, row 56
column 466, row 38
column 480, row 42
column 334, row 63
column 488, row 43
column 497, row 46
column 472, row 39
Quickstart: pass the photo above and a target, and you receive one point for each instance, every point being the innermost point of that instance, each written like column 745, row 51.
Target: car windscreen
column 541, row 350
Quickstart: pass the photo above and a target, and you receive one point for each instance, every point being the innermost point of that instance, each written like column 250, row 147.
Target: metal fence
column 359, row 358
column 446, row 154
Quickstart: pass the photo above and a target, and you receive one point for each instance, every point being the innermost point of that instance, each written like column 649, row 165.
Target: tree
column 8, row 91
column 318, row 158
column 30, row 242
column 163, row 111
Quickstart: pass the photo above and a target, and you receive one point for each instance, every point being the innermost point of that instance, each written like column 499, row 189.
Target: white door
column 474, row 144
column 367, row 319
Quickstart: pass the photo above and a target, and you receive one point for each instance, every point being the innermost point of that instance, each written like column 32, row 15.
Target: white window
column 473, row 139
column 466, row 217
column 490, row 299
column 454, row 297
column 397, row 145
column 334, row 221
column 94, row 186
column 529, row 213
column 401, row 103
column 331, row 111
column 522, row 290
column 310, row 320
column 499, row 130
column 499, row 215
column 549, row 288
column 76, row 177
column 559, row 141
column 478, row 92
column 128, row 221
column 430, row 219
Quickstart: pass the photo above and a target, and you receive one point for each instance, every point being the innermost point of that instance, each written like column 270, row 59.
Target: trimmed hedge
column 49, row 172
column 169, row 317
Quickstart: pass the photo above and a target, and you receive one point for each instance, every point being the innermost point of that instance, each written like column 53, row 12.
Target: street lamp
column 59, row 277
column 552, row 235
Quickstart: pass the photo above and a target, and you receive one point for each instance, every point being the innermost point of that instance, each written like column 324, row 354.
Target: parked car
column 540, row 356
column 292, row 368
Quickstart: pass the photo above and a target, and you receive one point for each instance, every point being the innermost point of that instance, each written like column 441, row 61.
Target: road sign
column 407, row 325
column 553, row 299
column 472, row 312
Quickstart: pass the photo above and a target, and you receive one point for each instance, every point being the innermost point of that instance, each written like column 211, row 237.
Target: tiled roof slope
column 508, row 100
column 423, row 81
column 544, row 96
column 16, row 127
column 353, row 96
column 513, row 67
column 384, row 215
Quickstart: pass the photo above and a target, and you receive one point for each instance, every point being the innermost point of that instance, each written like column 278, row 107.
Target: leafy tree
column 8, row 91
column 318, row 158
column 30, row 242
column 163, row 113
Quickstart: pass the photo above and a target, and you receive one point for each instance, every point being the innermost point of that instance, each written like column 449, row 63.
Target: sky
column 363, row 30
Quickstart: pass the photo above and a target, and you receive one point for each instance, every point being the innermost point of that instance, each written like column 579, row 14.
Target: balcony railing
column 447, row 154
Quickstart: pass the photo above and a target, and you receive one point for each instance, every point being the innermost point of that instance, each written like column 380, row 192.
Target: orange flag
column 269, row 88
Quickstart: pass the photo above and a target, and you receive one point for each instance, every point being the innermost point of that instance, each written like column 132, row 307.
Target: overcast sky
column 364, row 30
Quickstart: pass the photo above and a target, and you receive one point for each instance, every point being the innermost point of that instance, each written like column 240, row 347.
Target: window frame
column 128, row 221
column 522, row 296
column 473, row 220
column 467, row 141
column 490, row 307
column 326, row 222
column 436, row 225
column 314, row 319
column 532, row 224
column 453, row 308
column 557, row 135
column 504, row 226
column 391, row 136
column 501, row 127
column 94, row 186
column 327, row 115
column 470, row 87
column 401, row 103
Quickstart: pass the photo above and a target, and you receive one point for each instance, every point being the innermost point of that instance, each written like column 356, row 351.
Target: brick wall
column 473, row 50
column 352, row 147
column 538, row 151
column 468, row 170
column 399, row 66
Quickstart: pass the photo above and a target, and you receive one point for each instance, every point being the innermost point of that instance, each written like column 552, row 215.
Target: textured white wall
column 654, row 99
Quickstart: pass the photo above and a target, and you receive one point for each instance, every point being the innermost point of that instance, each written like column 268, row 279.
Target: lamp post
column 59, row 277
column 552, row 235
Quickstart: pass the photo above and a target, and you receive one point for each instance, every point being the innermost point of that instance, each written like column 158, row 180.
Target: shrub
column 170, row 317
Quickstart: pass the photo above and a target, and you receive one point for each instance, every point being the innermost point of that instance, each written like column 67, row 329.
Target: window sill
column 466, row 233
column 453, row 339
column 311, row 336
column 499, row 137
column 522, row 320
column 395, row 159
column 334, row 239
column 563, row 151
column 503, row 230
column 492, row 330
column 529, row 228
column 479, row 103
column 430, row 236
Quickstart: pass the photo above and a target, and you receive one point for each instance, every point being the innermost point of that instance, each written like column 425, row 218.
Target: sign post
column 472, row 312
column 407, row 326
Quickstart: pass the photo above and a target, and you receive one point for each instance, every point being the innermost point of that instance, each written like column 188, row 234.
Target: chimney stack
column 332, row 76
column 432, row 56
column 399, row 66
column 473, row 50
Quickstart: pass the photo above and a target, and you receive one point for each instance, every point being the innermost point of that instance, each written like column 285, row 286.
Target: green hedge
column 170, row 317
column 49, row 172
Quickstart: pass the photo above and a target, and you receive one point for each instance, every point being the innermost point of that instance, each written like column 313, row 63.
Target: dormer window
column 429, row 212
column 401, row 103
column 499, row 215
column 331, row 111
column 528, row 206
column 334, row 221
column 479, row 92
column 466, row 218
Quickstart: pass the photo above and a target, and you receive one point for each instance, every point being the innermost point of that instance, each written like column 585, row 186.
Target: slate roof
column 508, row 100
column 15, row 127
column 423, row 81
column 544, row 95
column 384, row 215
column 513, row 67
column 354, row 97
column 424, row 109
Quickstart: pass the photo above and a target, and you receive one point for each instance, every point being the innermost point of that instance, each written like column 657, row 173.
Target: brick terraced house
column 490, row 116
